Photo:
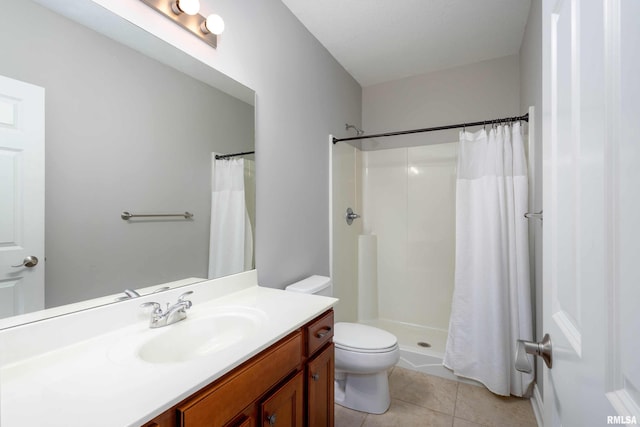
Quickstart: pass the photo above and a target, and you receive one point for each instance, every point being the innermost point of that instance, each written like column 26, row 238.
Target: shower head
column 359, row 131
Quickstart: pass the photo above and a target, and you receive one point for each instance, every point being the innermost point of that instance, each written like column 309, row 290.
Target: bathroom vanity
column 288, row 384
column 244, row 356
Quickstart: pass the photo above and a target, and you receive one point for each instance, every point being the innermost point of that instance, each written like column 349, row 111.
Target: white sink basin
column 196, row 336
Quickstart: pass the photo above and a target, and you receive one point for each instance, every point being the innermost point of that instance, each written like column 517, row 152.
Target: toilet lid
column 358, row 337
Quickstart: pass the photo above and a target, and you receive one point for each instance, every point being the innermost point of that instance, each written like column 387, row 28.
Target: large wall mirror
column 123, row 132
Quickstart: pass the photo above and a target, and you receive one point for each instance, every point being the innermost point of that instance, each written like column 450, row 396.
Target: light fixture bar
column 191, row 23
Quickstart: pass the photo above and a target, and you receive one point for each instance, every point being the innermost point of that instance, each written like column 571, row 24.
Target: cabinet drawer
column 221, row 402
column 319, row 332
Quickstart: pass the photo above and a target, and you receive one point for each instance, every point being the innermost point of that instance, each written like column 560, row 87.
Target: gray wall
column 123, row 132
column 484, row 90
column 531, row 94
column 303, row 95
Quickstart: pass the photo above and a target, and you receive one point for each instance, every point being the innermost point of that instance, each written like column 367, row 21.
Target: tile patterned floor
column 418, row 399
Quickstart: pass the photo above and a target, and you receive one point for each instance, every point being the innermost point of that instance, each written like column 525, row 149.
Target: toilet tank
column 318, row 285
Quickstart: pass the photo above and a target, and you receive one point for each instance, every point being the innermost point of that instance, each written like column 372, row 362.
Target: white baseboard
column 537, row 405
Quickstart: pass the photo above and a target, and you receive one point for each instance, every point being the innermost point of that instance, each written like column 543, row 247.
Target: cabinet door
column 285, row 407
column 225, row 400
column 320, row 372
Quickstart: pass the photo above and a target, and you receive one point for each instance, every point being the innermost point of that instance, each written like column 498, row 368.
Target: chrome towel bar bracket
column 537, row 215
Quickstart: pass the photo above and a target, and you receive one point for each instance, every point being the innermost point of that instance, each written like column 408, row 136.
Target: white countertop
column 100, row 381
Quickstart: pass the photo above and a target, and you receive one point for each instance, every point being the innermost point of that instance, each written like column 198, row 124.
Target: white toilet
column 363, row 354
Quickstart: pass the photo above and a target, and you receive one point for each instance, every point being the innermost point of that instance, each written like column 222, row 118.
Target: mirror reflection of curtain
column 250, row 200
column 231, row 239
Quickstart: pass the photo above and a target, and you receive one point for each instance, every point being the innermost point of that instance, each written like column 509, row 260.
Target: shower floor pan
column 414, row 354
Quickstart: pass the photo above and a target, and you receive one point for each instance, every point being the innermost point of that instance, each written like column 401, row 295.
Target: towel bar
column 126, row 215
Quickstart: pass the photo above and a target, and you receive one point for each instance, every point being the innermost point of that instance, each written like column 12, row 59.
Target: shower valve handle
column 350, row 216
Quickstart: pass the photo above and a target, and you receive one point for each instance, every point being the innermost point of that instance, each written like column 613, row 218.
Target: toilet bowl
column 363, row 355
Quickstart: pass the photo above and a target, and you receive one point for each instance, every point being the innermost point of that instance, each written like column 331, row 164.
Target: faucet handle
column 187, row 303
column 182, row 297
column 156, row 307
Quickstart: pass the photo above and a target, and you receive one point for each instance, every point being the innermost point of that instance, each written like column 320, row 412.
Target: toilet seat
column 363, row 338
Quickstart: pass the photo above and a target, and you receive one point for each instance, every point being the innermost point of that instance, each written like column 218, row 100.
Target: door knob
column 30, row 261
column 350, row 216
column 542, row 349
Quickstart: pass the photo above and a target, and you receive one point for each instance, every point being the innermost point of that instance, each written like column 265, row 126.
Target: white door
column 21, row 197
column 591, row 255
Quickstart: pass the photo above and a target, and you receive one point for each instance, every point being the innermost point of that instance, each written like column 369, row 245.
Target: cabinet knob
column 271, row 419
column 315, row 376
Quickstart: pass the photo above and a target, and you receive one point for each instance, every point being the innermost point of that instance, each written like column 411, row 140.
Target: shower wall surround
column 346, row 178
column 407, row 199
column 409, row 203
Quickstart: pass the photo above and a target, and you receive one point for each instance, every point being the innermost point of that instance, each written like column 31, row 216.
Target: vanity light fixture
column 213, row 24
column 185, row 13
column 190, row 7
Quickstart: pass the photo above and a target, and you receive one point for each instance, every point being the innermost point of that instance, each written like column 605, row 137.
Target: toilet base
column 363, row 392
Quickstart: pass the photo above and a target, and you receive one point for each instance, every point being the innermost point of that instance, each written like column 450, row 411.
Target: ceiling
column 383, row 40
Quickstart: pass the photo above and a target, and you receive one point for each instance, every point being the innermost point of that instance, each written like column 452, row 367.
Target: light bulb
column 214, row 24
column 190, row 7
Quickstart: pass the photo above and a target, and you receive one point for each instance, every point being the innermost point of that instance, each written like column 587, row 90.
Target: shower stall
column 393, row 267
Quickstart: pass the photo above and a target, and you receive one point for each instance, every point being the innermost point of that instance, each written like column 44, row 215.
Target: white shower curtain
column 491, row 306
column 230, row 227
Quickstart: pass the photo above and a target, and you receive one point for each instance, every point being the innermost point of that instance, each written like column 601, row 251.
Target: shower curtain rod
column 461, row 125
column 226, row 156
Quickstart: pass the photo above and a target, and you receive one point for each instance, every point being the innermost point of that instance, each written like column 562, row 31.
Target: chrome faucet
column 172, row 314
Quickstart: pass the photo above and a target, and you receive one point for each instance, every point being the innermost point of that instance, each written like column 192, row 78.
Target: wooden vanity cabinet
column 320, row 371
column 290, row 384
column 320, row 388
